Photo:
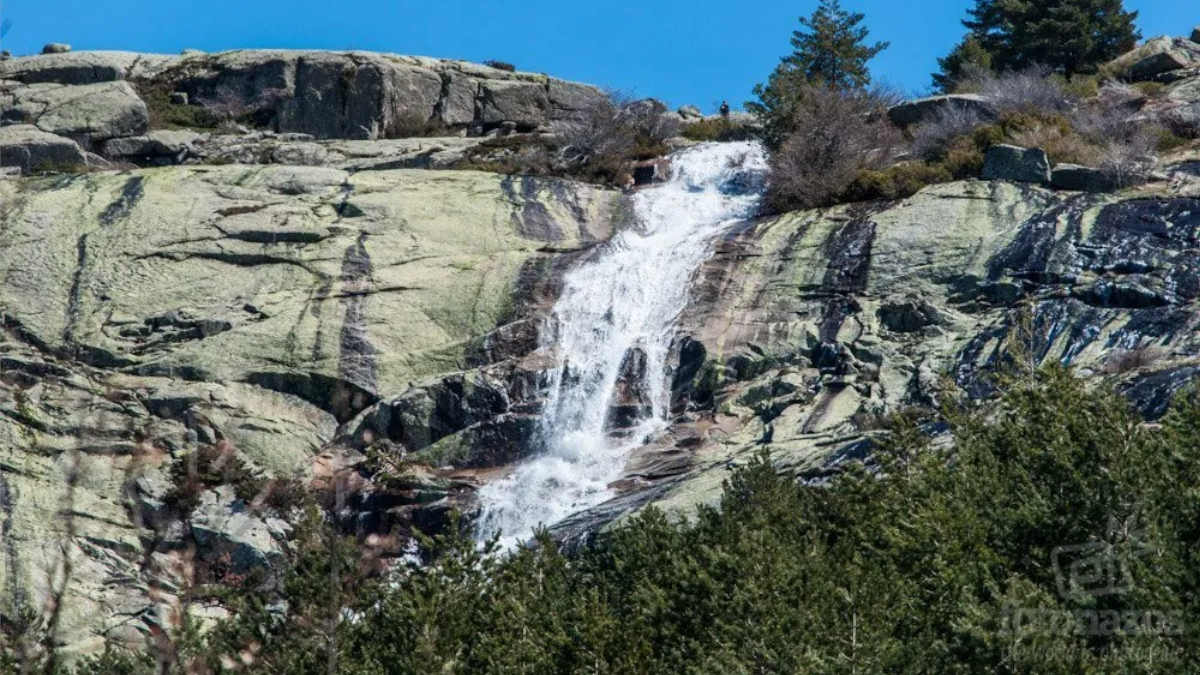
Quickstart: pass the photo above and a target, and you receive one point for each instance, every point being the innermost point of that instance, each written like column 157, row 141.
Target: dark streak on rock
column 130, row 195
column 849, row 254
column 534, row 220
column 357, row 356
column 17, row 597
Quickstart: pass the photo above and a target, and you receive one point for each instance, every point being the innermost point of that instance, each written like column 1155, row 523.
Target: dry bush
column 611, row 131
column 720, row 129
column 834, row 136
column 933, row 138
column 598, row 140
column 1124, row 145
column 1060, row 141
column 1127, row 160
column 1029, row 90
column 1129, row 360
column 1116, row 94
column 500, row 65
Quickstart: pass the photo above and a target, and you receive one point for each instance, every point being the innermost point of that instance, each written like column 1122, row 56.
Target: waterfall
column 615, row 322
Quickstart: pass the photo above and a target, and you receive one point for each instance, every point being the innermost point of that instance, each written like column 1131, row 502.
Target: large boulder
column 1013, row 163
column 525, row 103
column 926, row 109
column 56, row 48
column 1156, row 57
column 1195, row 37
column 361, row 95
column 31, row 149
column 161, row 146
column 86, row 67
column 336, row 97
column 571, row 100
column 1082, row 178
column 89, row 113
column 225, row 529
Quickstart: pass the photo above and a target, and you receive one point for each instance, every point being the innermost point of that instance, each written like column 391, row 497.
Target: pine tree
column 830, row 49
column 1067, row 36
column 967, row 56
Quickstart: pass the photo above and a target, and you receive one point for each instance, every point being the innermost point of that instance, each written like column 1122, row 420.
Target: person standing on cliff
column 725, row 109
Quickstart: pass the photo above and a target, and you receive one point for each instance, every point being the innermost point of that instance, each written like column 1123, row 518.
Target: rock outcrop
column 153, row 314
column 927, row 109
column 1009, row 162
column 107, row 101
column 28, row 148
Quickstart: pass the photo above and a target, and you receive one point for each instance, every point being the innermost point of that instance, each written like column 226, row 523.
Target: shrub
column 931, row 139
column 1060, row 141
column 895, row 182
column 834, row 135
column 1151, row 89
column 1131, row 360
column 501, row 65
column 610, row 132
column 167, row 115
column 721, row 129
column 1078, row 87
column 1029, row 90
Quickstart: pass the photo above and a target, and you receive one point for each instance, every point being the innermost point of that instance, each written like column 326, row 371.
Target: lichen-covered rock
column 1083, row 178
column 299, row 278
column 525, row 103
column 153, row 314
column 161, row 146
column 1009, row 162
column 926, row 109
column 804, row 328
column 89, row 113
column 1155, row 57
column 30, row 149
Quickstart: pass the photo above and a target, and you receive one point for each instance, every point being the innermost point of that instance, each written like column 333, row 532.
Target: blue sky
column 682, row 51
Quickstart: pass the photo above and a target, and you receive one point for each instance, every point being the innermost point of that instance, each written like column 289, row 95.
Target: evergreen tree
column 967, row 56
column 830, row 49
column 1067, row 36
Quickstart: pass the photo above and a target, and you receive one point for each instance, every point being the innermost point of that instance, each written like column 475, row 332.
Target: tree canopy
column 1066, row 36
column 829, row 49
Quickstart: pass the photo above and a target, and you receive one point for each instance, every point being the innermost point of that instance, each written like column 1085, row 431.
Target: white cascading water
column 626, row 297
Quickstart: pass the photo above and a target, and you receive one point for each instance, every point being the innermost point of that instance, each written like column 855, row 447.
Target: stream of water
column 625, row 299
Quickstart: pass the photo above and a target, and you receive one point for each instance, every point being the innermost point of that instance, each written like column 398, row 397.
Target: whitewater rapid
column 623, row 299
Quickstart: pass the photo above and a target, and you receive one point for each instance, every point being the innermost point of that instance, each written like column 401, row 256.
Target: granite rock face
column 153, row 316
column 96, row 97
column 89, row 113
column 804, row 328
column 927, row 109
column 1024, row 165
column 310, row 319
column 28, row 148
